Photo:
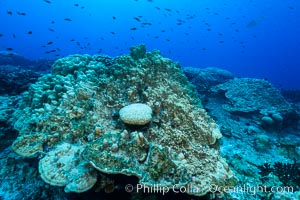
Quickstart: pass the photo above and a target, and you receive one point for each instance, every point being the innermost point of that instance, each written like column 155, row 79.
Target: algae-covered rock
column 79, row 104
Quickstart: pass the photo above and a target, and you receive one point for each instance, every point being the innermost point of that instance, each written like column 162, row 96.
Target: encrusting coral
column 78, row 104
column 64, row 167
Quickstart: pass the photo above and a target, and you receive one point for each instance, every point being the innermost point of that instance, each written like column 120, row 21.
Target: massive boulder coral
column 251, row 95
column 205, row 78
column 79, row 104
column 259, row 99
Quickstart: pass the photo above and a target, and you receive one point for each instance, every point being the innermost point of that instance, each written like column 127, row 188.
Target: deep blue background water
column 251, row 38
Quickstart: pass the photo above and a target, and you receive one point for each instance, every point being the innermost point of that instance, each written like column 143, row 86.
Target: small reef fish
column 21, row 13
column 68, row 19
column 147, row 23
column 137, row 19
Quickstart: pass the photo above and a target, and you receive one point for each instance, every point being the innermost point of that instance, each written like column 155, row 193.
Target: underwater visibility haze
column 150, row 99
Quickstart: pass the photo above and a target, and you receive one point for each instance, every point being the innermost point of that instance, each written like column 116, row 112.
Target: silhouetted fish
column 137, row 19
column 113, row 33
column 1, row 35
column 50, row 29
column 114, row 17
column 14, row 36
column 76, row 4
column 47, row 1
column 9, row 49
column 29, row 32
column 49, row 43
column 22, row 13
column 9, row 12
column 147, row 23
column 68, row 19
column 133, row 28
column 52, row 22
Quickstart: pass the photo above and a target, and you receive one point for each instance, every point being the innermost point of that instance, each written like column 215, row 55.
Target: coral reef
column 205, row 78
column 138, row 52
column 65, row 167
column 8, row 58
column 248, row 141
column 250, row 95
column 7, row 133
column 258, row 99
column 14, row 59
column 15, row 80
column 288, row 173
column 19, row 179
column 78, row 105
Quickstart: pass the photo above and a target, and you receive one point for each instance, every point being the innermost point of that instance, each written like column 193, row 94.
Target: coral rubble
column 77, row 107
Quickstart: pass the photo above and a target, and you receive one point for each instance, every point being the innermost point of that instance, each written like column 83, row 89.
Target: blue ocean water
column 250, row 38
